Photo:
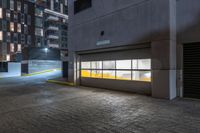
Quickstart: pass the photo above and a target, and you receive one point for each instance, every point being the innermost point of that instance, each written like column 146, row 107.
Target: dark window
column 80, row 5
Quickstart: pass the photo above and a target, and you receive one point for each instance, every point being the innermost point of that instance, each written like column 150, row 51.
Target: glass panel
column 97, row 65
column 1, row 13
column 109, row 74
column 96, row 73
column 85, row 65
column 1, row 35
column 108, row 64
column 123, row 75
column 134, row 64
column 141, row 75
column 144, row 64
column 85, row 73
column 123, row 64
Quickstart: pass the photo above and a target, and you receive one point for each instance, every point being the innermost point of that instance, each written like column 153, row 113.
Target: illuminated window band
column 135, row 70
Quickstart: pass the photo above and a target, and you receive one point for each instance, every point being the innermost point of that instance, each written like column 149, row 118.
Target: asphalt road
column 31, row 105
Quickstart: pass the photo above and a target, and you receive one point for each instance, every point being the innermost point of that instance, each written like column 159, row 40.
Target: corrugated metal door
column 191, row 70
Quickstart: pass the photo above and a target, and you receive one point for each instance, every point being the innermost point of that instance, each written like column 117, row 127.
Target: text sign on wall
column 104, row 42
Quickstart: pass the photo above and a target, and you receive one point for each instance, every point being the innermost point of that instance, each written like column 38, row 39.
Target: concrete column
column 164, row 59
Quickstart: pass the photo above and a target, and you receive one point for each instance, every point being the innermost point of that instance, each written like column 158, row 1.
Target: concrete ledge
column 41, row 72
column 61, row 82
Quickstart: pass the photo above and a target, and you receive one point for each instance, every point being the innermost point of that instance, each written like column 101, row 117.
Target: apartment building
column 16, row 28
column 50, row 37
column 144, row 46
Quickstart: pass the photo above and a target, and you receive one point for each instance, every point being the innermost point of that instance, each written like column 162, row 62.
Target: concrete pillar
column 164, row 59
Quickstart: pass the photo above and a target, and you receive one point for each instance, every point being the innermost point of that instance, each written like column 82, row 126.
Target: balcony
column 53, row 45
column 53, row 37
column 52, row 18
column 53, row 28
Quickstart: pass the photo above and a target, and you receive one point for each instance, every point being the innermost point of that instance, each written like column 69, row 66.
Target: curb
column 61, row 82
column 41, row 72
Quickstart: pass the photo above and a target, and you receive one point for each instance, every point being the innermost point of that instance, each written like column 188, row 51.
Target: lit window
column 12, row 47
column 108, row 64
column 123, row 75
column 97, row 65
column 96, row 74
column 85, row 65
column 12, row 26
column 123, row 64
column 85, row 73
column 141, row 75
column 144, row 64
column 109, row 74
column 1, row 35
column 7, row 57
column 19, row 47
column 1, row 13
column 18, row 27
column 133, row 70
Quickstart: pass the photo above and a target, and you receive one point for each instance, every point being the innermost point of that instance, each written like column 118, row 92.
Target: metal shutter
column 191, row 70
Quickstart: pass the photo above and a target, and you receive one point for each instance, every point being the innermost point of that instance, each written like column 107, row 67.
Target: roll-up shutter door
column 191, row 70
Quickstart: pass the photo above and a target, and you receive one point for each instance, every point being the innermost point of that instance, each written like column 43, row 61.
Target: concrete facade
column 166, row 25
column 14, row 70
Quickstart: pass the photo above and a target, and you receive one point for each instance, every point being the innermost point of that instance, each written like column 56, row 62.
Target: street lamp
column 46, row 50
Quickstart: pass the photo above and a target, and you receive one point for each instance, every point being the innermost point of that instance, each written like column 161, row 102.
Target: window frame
column 117, row 70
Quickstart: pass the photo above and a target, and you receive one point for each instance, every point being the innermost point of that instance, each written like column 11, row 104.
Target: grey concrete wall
column 14, row 69
column 129, row 22
column 42, row 65
column 124, row 22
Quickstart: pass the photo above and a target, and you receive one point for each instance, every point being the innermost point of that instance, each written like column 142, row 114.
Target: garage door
column 191, row 70
column 128, row 70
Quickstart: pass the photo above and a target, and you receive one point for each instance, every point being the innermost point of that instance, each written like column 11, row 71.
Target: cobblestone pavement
column 29, row 105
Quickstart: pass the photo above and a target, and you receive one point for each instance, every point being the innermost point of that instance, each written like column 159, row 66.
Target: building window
column 80, row 5
column 29, row 20
column 4, row 25
column 12, row 47
column 1, row 35
column 4, row 3
column 7, row 57
column 15, row 38
column 38, row 31
column 39, row 12
column 15, row 16
column 18, row 6
column 12, row 27
column 1, row 13
column 22, row 18
column 22, row 38
column 25, row 8
column 11, row 4
column 8, row 37
column 135, row 70
column 19, row 28
column 19, row 48
column 29, row 40
column 8, row 14
column 38, row 22
column 25, row 29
